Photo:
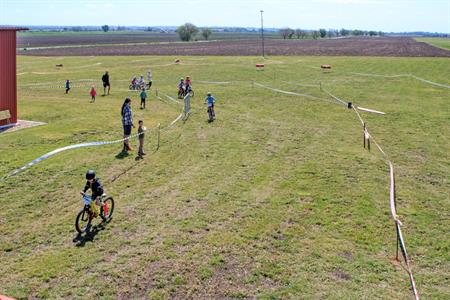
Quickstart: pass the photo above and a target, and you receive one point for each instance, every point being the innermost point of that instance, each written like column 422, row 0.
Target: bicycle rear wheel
column 107, row 209
column 83, row 221
column 210, row 114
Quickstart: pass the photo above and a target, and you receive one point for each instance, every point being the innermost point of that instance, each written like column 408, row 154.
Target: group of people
column 93, row 182
column 139, row 84
column 93, row 92
column 184, row 86
column 128, row 124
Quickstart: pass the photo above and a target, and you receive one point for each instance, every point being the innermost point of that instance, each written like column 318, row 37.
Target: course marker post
column 187, row 107
column 364, row 135
column 156, row 91
column 159, row 134
column 398, row 238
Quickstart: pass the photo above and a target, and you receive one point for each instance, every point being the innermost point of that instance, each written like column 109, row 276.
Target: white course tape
column 214, row 82
column 86, row 66
column 174, row 121
column 294, row 94
column 378, row 75
column 82, row 145
column 370, row 110
column 404, row 75
column 431, row 82
column 70, row 147
column 170, row 98
column 302, row 84
column 334, row 97
column 392, row 205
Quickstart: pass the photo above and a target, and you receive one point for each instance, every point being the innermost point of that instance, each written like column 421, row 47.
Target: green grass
column 443, row 43
column 276, row 199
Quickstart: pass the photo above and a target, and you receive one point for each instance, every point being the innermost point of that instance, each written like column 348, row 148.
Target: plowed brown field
column 380, row 46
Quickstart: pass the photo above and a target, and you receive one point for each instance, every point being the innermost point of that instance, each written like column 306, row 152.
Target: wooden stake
column 159, row 134
column 364, row 136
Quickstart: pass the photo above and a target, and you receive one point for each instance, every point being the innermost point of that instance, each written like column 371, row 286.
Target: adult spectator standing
column 127, row 122
column 105, row 79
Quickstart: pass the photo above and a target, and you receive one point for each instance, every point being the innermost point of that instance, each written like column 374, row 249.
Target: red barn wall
column 8, row 93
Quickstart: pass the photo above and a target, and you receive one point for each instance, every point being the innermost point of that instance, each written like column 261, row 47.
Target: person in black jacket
column 105, row 79
column 96, row 187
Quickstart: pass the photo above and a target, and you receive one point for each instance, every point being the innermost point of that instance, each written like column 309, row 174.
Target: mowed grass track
column 437, row 42
column 275, row 199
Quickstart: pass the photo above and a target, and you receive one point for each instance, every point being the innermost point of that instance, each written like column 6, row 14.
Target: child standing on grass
column 143, row 98
column 67, row 86
column 141, row 132
column 93, row 93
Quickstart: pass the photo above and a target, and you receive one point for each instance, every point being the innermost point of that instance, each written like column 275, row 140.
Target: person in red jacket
column 93, row 93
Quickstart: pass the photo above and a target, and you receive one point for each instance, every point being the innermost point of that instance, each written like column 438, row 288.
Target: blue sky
column 385, row 15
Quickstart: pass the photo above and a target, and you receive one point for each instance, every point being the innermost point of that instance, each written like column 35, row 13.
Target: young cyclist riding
column 209, row 100
column 96, row 187
column 181, row 88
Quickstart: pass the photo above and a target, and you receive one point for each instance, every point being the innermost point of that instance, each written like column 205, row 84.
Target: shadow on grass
column 80, row 239
column 122, row 154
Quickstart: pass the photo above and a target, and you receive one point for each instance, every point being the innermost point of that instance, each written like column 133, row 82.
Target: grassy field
column 276, row 199
column 437, row 42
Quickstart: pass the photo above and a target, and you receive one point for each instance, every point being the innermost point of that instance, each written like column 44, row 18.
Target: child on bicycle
column 181, row 84
column 209, row 100
column 181, row 88
column 187, row 84
column 133, row 82
column 141, row 83
column 96, row 187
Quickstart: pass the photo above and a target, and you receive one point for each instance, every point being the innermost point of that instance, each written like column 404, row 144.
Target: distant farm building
column 8, row 84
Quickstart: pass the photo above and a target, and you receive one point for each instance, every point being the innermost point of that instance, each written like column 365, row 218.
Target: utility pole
column 262, row 33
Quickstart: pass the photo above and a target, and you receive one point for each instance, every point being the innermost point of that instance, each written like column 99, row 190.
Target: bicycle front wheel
column 83, row 221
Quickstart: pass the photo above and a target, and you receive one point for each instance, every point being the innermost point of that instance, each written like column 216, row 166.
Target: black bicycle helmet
column 90, row 174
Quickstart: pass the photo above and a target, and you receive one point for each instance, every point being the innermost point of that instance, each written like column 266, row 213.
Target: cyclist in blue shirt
column 209, row 100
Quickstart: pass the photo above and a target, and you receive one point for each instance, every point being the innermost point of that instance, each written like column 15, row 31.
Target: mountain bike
column 211, row 114
column 84, row 218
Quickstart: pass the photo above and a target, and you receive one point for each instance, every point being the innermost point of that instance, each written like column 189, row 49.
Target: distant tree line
column 289, row 33
column 185, row 31
column 188, row 32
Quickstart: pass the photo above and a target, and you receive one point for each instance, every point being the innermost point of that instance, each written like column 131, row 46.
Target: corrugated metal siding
column 8, row 93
